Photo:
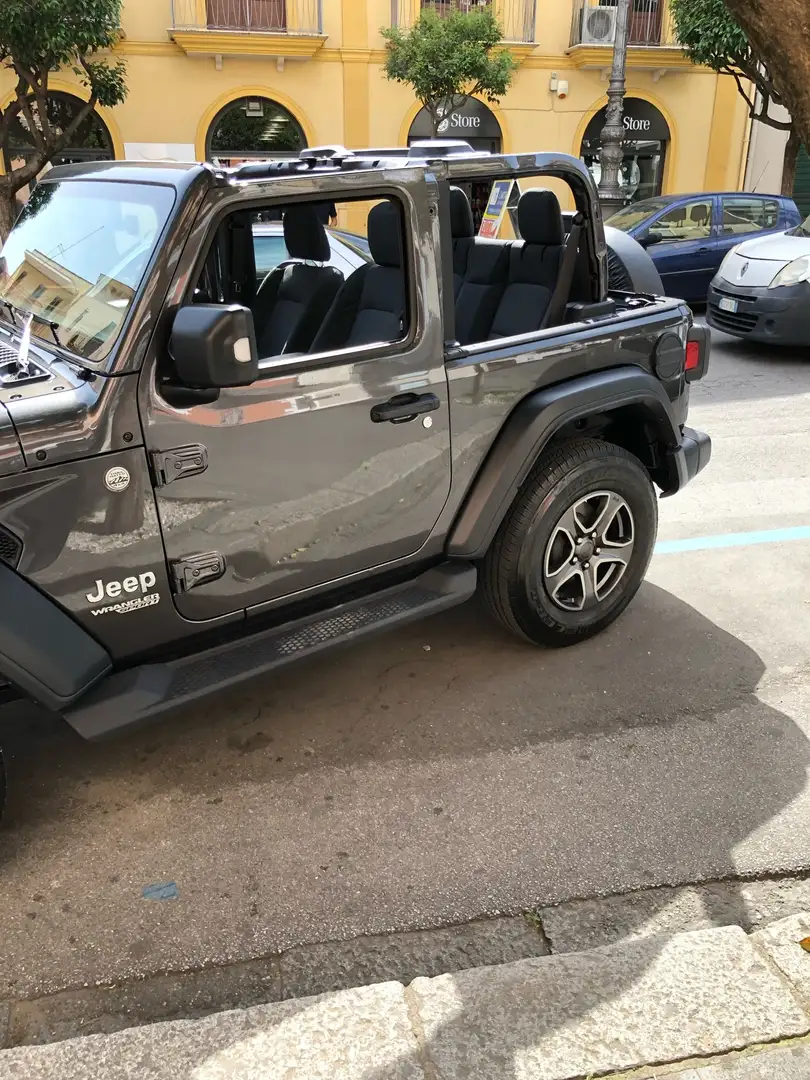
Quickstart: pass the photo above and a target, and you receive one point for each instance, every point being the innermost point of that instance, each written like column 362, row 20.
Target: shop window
column 90, row 141
column 747, row 215
column 251, row 129
column 689, row 221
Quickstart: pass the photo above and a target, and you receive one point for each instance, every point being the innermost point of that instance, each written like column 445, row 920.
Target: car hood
column 777, row 247
column 757, row 262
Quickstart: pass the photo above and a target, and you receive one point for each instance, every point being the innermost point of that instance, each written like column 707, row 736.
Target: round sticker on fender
column 117, row 479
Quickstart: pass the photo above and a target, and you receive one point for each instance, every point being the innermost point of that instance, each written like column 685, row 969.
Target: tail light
column 698, row 347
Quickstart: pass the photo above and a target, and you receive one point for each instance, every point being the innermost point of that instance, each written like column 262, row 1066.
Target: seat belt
column 562, row 290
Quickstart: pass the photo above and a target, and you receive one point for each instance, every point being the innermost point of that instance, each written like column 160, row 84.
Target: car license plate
column 727, row 304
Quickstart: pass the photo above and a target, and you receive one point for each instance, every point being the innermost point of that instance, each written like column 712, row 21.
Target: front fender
column 43, row 651
column 531, row 426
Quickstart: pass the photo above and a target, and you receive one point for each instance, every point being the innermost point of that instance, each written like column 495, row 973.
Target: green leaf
column 40, row 37
column 710, row 33
column 446, row 59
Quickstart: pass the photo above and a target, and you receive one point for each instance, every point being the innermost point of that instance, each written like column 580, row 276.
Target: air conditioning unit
column 598, row 25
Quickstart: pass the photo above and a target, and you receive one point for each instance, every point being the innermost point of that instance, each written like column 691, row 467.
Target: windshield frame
column 42, row 327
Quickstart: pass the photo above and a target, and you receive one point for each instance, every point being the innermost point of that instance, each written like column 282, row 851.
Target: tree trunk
column 8, row 211
column 780, row 36
column 789, row 162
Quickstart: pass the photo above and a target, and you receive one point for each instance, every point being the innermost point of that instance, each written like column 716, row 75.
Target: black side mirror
column 650, row 238
column 214, row 346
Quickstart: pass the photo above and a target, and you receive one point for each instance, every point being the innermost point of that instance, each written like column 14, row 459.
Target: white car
column 762, row 289
column 270, row 250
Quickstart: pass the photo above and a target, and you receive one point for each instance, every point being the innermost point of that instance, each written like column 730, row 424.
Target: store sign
column 641, row 121
column 472, row 118
column 456, row 121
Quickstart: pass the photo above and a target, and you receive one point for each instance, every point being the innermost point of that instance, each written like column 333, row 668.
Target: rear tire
column 574, row 546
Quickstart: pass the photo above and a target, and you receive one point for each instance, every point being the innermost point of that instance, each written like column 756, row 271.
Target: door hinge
column 169, row 465
column 197, row 570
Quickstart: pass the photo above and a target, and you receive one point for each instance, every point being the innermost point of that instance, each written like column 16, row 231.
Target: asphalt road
column 448, row 772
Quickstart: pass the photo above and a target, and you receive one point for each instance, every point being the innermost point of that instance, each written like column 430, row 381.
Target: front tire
column 575, row 544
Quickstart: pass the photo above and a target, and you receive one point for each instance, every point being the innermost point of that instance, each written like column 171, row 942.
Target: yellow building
column 229, row 79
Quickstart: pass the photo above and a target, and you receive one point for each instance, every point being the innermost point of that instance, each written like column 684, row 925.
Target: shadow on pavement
column 356, row 794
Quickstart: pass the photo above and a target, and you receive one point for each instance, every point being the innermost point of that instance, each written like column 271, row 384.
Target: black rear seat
column 480, row 269
column 534, row 265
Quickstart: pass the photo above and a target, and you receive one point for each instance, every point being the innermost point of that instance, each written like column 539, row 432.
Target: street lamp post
column 612, row 137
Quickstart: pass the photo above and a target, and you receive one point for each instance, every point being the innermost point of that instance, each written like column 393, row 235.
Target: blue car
column 688, row 236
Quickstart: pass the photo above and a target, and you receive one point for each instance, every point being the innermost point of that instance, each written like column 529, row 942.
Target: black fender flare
column 528, row 430
column 43, row 651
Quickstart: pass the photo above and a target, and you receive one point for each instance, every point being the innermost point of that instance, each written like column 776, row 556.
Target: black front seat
column 293, row 299
column 371, row 303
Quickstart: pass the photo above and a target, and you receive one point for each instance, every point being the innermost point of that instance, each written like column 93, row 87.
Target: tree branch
column 34, row 131
column 7, row 118
column 746, row 98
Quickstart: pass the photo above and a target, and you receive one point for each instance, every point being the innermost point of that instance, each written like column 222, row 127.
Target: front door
column 296, row 481
column 685, row 253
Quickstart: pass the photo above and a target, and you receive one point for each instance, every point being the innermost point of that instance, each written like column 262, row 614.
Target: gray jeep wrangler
column 210, row 466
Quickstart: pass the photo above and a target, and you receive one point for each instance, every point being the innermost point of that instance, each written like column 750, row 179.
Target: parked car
column 762, row 289
column 507, row 423
column 270, row 249
column 688, row 236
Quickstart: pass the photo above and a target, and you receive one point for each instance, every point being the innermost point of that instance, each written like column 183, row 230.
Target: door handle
column 404, row 407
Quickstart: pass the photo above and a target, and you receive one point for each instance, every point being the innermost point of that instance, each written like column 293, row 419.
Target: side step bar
column 143, row 693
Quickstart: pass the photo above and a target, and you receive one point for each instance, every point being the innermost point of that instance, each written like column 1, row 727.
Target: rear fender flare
column 529, row 429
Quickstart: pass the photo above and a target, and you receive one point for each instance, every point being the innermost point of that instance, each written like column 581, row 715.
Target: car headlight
column 793, row 273
column 725, row 260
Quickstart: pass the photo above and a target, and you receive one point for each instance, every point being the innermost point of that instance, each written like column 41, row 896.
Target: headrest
column 539, row 217
column 305, row 236
column 385, row 234
column 461, row 219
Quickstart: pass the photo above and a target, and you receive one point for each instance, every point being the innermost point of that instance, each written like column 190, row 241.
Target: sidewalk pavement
column 702, row 1005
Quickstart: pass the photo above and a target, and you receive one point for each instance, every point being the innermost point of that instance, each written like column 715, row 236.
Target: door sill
column 141, row 694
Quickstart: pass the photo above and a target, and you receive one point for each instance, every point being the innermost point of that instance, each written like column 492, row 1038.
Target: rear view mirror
column 214, row 346
column 650, row 238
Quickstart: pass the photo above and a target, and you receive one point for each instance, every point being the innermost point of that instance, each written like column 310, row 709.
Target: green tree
column 780, row 37
column 449, row 58
column 712, row 36
column 37, row 38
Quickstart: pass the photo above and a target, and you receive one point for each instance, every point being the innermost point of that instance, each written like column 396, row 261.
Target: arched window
column 253, row 128
column 90, row 142
column 646, row 142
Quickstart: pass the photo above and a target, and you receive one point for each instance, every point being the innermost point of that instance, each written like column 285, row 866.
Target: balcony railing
column 516, row 17
column 248, row 16
column 650, row 23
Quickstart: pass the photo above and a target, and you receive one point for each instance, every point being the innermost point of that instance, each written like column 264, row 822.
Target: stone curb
column 652, row 1001
column 302, row 971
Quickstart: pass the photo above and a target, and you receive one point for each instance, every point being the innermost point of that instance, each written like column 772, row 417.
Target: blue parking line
column 727, row 540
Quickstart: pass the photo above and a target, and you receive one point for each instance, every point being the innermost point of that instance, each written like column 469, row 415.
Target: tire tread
column 551, row 468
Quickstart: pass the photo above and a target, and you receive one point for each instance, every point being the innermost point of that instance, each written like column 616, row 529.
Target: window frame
column 709, row 198
column 294, row 363
column 760, row 200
